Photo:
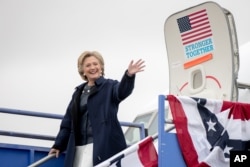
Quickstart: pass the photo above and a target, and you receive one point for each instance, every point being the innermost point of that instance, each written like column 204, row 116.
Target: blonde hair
column 85, row 55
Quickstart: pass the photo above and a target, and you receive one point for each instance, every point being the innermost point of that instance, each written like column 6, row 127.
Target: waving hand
column 135, row 67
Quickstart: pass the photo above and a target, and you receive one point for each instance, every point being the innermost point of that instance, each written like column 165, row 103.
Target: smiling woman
column 93, row 65
column 91, row 117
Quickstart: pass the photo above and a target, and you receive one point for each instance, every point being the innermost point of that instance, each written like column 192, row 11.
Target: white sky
column 41, row 40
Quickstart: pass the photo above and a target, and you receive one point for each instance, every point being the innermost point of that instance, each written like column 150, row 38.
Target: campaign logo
column 196, row 36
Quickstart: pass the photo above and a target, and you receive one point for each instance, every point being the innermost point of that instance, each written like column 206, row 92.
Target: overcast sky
column 41, row 40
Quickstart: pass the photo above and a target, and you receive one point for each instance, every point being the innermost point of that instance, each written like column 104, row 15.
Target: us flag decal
column 194, row 27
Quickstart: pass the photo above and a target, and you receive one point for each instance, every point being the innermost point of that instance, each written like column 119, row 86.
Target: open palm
column 136, row 67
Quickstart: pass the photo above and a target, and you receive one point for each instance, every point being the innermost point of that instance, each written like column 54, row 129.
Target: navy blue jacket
column 103, row 104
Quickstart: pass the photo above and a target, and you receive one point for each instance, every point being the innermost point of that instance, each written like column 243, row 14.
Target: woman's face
column 92, row 68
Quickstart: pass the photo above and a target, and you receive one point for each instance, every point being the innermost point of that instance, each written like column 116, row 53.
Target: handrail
column 130, row 149
column 45, row 137
column 41, row 161
column 30, row 113
column 26, row 135
column 243, row 85
column 52, row 116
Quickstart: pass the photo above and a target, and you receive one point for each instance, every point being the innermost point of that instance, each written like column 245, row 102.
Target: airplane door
column 202, row 52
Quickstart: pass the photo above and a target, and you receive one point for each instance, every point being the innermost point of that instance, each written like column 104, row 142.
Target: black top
column 85, row 129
